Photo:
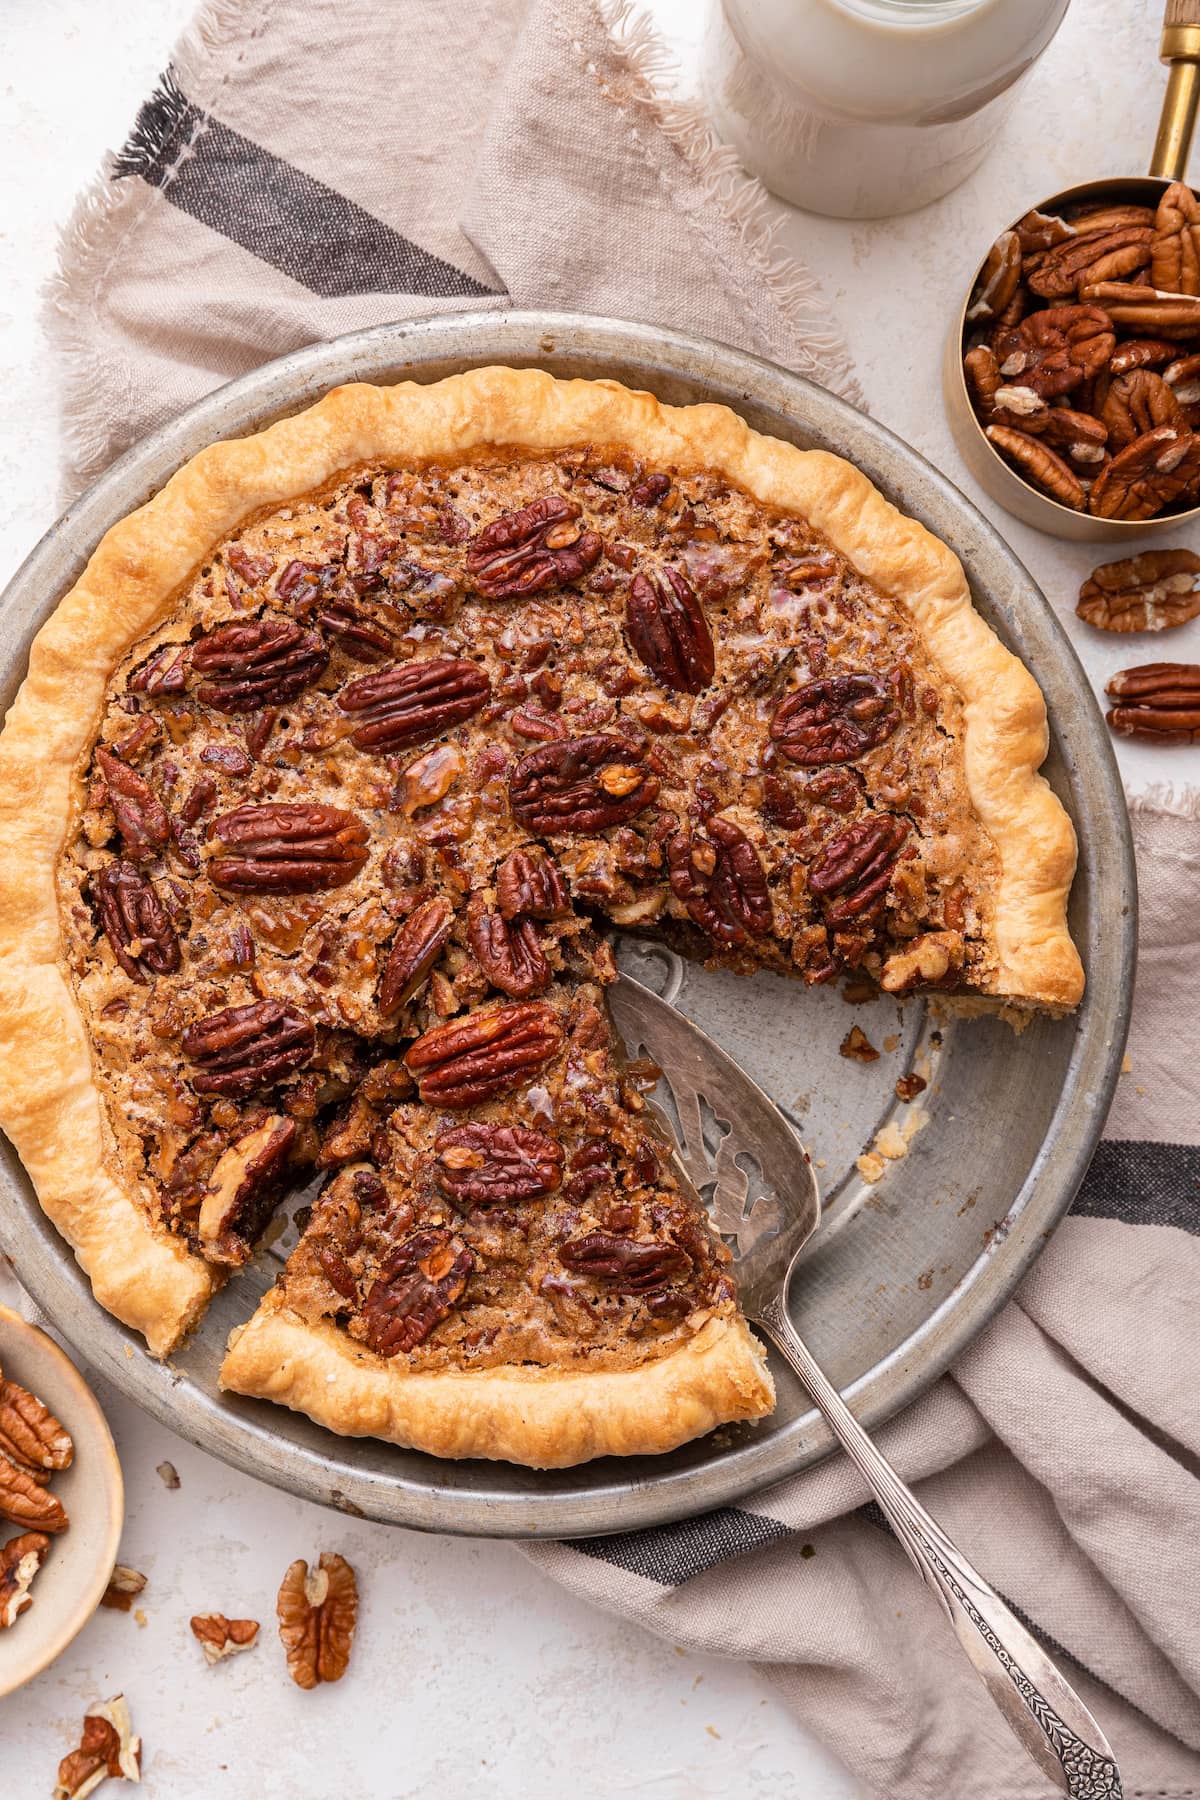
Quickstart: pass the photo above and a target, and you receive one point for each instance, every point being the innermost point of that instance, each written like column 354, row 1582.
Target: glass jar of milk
column 861, row 108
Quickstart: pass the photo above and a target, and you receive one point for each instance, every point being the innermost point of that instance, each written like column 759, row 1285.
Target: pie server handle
column 1043, row 1710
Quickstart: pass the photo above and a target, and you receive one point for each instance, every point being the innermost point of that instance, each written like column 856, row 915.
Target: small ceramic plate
column 68, row 1586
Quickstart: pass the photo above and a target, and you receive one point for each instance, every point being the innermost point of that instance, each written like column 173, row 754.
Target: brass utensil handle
column 1046, row 1714
column 1177, row 122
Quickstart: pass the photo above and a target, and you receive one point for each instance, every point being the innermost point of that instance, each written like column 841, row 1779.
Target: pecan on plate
column 1160, row 701
column 1145, row 311
column 20, row 1560
column 509, row 951
column 665, row 623
column 25, row 1501
column 243, row 1048
column 420, row 1282
column 856, row 1046
column 124, row 1586
column 481, row 1164
column 287, row 848
column 415, row 948
column 998, row 279
column 220, row 1637
column 721, row 880
column 852, row 873
column 530, row 885
column 580, row 784
column 541, row 546
column 140, row 814
column 318, row 1611
column 1175, row 257
column 409, row 702
column 1094, row 256
column 835, row 719
column 1055, row 350
column 1039, row 464
column 1150, row 592
column 135, row 921
column 30, row 1434
column 1137, row 403
column 242, row 1190
column 256, row 662
column 1158, row 468
column 624, row 1265
column 108, row 1747
column 487, row 1053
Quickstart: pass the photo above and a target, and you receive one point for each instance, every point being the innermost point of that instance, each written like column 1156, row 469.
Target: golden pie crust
column 51, row 1105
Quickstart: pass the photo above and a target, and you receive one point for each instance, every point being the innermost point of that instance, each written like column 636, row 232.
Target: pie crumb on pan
column 327, row 777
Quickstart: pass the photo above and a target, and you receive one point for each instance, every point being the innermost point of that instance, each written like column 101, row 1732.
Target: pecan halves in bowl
column 541, row 546
column 1151, row 473
column 287, row 848
column 415, row 949
column 580, row 784
column 1151, row 592
column 30, row 1435
column 20, row 1560
column 488, row 1053
column 408, row 703
column 1175, row 254
column 26, row 1502
column 1055, row 350
column 999, row 278
column 318, row 1612
column 1137, row 403
column 1096, row 256
column 1159, row 701
column 1041, row 465
column 665, row 623
column 256, row 662
column 241, row 1049
column 1147, row 311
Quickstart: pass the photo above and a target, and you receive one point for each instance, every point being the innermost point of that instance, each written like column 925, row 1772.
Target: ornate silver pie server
column 736, row 1149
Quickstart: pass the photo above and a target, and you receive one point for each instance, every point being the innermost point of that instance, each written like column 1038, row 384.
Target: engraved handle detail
column 1046, row 1714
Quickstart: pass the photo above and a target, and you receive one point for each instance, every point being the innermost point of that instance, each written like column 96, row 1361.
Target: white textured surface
column 472, row 1675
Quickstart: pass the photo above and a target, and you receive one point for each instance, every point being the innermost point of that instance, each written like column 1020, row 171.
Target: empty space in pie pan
column 904, row 1271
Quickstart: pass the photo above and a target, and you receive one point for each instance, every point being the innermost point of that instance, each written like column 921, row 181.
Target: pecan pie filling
column 359, row 813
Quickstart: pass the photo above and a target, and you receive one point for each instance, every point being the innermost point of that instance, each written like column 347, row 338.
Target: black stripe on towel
column 1142, row 1183
column 671, row 1554
column 286, row 218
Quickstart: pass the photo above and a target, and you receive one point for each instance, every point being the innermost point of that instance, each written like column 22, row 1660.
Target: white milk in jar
column 861, row 108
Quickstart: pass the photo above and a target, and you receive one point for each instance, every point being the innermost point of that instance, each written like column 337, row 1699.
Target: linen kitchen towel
column 307, row 168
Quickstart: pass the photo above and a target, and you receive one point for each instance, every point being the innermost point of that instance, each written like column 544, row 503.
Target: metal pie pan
column 904, row 1272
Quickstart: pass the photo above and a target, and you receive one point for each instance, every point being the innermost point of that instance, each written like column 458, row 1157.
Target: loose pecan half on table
column 1151, row 592
column 1159, row 701
column 318, row 1612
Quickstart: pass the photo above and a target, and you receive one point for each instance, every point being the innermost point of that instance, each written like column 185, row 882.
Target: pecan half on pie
column 328, row 779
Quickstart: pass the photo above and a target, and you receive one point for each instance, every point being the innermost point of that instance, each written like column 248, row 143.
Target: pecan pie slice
column 326, row 782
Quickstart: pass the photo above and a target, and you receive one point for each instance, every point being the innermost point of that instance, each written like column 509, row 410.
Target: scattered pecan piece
column 624, row 1265
column 1040, row 465
column 1147, row 311
column 420, row 1282
column 1094, row 256
column 220, row 1637
column 30, row 1434
column 26, row 1502
column 856, row 1046
column 108, row 1747
column 415, row 948
column 580, row 784
column 509, row 951
column 124, row 1586
column 243, row 1048
column 135, row 921
column 409, row 702
column 20, row 1560
column 835, row 719
column 1054, row 350
column 243, row 1188
column 488, row 1053
column 1137, row 403
column 1150, row 592
column 530, row 885
column 141, row 816
column 909, row 1086
column 854, row 870
column 256, row 662
column 479, row 1164
column 928, row 959
column 667, row 628
column 1175, row 259
column 1160, row 701
column 1152, row 472
column 541, row 546
column 721, row 880
column 168, row 1475
column 287, row 848
column 999, row 278
column 317, row 1613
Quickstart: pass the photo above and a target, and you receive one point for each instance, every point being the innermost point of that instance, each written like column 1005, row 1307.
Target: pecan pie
column 326, row 784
